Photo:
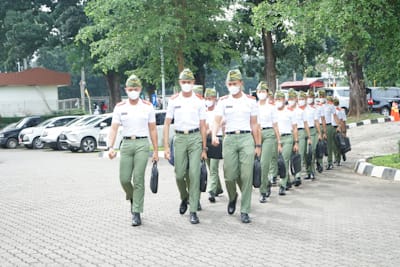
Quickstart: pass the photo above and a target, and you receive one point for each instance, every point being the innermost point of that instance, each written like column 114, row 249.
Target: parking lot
column 63, row 208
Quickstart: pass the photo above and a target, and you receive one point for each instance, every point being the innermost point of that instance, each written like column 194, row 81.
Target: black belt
column 300, row 128
column 328, row 123
column 311, row 127
column 187, row 131
column 219, row 136
column 238, row 132
column 266, row 128
column 286, row 134
column 334, row 126
column 133, row 137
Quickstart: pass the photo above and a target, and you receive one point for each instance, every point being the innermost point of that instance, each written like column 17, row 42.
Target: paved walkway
column 63, row 208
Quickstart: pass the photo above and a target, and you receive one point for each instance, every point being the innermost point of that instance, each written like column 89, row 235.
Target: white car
column 341, row 93
column 30, row 137
column 85, row 137
column 51, row 136
column 160, row 117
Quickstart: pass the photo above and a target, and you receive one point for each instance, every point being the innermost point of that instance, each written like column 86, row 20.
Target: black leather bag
column 281, row 166
column 295, row 163
column 154, row 178
column 257, row 172
column 171, row 149
column 320, row 149
column 343, row 143
column 325, row 147
column 203, row 176
column 214, row 152
column 348, row 146
column 309, row 155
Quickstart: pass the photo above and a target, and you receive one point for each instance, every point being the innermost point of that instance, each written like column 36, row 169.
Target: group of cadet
column 244, row 128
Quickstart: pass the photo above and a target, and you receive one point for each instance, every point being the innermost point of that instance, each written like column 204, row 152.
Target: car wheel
column 12, row 143
column 385, row 111
column 28, row 146
column 37, row 144
column 88, row 144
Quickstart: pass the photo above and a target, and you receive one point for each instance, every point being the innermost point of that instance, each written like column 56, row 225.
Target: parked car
column 341, row 93
column 85, row 137
column 30, row 137
column 9, row 136
column 160, row 117
column 51, row 136
column 380, row 99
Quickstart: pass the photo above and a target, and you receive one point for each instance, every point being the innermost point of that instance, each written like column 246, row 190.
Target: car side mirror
column 103, row 124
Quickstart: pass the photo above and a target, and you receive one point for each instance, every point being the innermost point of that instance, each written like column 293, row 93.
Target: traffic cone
column 395, row 112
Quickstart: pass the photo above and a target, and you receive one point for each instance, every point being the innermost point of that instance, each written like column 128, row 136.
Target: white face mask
column 291, row 103
column 310, row 101
column 322, row 100
column 233, row 90
column 186, row 87
column 133, row 95
column 262, row 96
column 279, row 104
column 302, row 102
column 209, row 103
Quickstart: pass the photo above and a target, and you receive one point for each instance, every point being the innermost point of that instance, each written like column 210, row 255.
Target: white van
column 341, row 93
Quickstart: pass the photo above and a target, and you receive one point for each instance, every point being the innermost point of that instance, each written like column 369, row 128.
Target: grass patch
column 364, row 116
column 391, row 161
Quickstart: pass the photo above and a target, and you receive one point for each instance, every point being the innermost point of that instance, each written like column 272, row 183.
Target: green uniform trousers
column 187, row 150
column 302, row 147
column 132, row 166
column 336, row 149
column 269, row 149
column 287, row 149
column 238, row 154
column 213, row 183
column 331, row 141
column 314, row 141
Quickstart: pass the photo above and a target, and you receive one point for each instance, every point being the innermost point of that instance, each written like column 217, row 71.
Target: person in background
column 267, row 120
column 137, row 117
column 214, row 187
column 189, row 114
column 103, row 107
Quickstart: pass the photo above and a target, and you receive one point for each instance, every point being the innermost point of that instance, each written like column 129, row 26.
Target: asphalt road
column 63, row 208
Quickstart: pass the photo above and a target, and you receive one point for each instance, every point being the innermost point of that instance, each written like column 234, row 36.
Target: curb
column 364, row 168
column 366, row 122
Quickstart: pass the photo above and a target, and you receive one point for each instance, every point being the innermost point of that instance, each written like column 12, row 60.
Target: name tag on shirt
column 124, row 113
column 229, row 106
column 177, row 106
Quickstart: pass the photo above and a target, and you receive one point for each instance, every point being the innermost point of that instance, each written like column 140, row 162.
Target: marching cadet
column 336, row 151
column 137, row 117
column 289, row 140
column 273, row 172
column 198, row 89
column 241, row 141
column 302, row 130
column 214, row 187
column 312, row 116
column 189, row 114
column 267, row 120
column 330, row 116
column 321, row 110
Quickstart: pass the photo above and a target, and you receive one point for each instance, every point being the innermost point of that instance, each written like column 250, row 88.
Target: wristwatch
column 258, row 145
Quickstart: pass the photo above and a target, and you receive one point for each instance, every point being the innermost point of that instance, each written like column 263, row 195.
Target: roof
column 35, row 76
column 304, row 84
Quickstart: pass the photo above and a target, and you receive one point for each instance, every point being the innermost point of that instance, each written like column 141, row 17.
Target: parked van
column 341, row 93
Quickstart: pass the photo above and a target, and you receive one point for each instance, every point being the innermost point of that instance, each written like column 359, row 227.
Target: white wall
column 28, row 100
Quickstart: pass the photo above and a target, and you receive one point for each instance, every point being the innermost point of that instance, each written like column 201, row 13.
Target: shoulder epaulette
column 123, row 102
column 174, row 96
column 146, row 102
column 223, row 97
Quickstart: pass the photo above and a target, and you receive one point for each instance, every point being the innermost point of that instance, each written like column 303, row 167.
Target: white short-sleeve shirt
column 135, row 119
column 312, row 114
column 267, row 115
column 237, row 112
column 286, row 120
column 186, row 111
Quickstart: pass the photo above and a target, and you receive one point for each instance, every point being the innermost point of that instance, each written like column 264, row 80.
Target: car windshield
column 85, row 120
column 73, row 121
column 21, row 123
column 44, row 123
column 344, row 93
column 10, row 126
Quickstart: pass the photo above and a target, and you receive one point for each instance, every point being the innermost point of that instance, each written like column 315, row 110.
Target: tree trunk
column 358, row 100
column 113, row 84
column 269, row 67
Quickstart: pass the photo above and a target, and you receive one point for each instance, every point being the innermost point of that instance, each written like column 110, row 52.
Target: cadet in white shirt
column 189, row 114
column 241, row 142
column 270, row 137
column 137, row 117
column 289, row 140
